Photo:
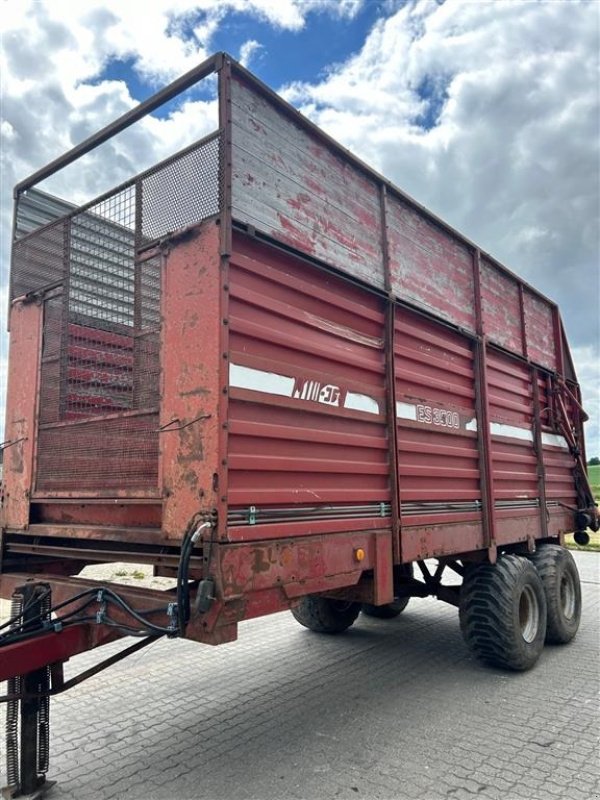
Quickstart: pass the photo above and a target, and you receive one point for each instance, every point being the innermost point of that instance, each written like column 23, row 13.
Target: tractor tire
column 388, row 611
column 324, row 615
column 560, row 578
column 503, row 612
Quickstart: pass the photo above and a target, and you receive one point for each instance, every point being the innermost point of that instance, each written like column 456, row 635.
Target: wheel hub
column 529, row 614
column 567, row 596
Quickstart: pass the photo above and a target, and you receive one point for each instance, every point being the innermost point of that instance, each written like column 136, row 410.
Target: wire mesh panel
column 100, row 364
column 104, row 455
column 170, row 196
column 39, row 260
column 50, row 370
column 100, row 325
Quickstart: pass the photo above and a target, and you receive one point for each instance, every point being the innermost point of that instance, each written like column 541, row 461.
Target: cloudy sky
column 486, row 112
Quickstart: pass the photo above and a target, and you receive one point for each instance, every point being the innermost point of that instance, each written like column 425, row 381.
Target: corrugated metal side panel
column 438, row 457
column 290, row 185
column 558, row 461
column 35, row 209
column 514, row 461
column 39, row 261
column 501, row 307
column 307, row 413
column 429, row 267
column 539, row 329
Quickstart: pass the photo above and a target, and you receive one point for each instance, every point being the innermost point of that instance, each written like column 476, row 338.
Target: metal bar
column 582, row 417
column 225, row 155
column 226, row 246
column 102, row 556
column 537, row 434
column 59, row 686
column 137, row 291
column 558, row 341
column 522, row 316
column 389, row 337
column 31, row 654
column 125, row 121
column 484, row 440
column 575, row 400
column 588, row 497
column 63, row 588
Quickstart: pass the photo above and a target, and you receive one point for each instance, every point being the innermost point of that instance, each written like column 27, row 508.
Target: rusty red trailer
column 268, row 372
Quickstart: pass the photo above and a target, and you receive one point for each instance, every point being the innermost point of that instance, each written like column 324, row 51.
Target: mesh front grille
column 99, row 384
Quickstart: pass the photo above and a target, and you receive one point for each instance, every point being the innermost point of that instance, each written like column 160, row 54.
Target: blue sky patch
column 433, row 91
column 303, row 55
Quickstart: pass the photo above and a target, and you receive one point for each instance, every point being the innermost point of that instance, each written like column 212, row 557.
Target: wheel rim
column 529, row 614
column 567, row 596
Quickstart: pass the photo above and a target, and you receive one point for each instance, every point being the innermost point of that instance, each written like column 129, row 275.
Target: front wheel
column 503, row 612
column 558, row 571
column 325, row 615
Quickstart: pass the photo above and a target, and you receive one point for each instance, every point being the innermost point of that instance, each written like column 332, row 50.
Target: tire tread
column 487, row 613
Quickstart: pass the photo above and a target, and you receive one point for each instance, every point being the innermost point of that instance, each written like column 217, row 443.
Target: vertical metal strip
column 137, row 290
column 225, row 197
column 390, row 377
column 581, row 417
column 537, row 438
column 225, row 155
column 38, row 400
column 11, row 274
column 558, row 341
column 484, row 439
column 522, row 316
column 64, row 332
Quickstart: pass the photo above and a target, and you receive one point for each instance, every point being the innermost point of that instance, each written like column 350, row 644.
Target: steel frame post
column 389, row 338
column 484, row 439
column 537, row 434
column 226, row 234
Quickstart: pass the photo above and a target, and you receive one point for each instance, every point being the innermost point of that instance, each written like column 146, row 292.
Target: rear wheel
column 560, row 578
column 325, row 615
column 503, row 612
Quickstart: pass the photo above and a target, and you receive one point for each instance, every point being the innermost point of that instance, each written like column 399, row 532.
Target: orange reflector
column 359, row 554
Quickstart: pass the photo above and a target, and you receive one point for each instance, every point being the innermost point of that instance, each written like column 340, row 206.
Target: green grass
column 594, row 543
column 594, row 476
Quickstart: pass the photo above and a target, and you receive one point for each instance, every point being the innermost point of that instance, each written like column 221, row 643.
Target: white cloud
column 248, row 50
